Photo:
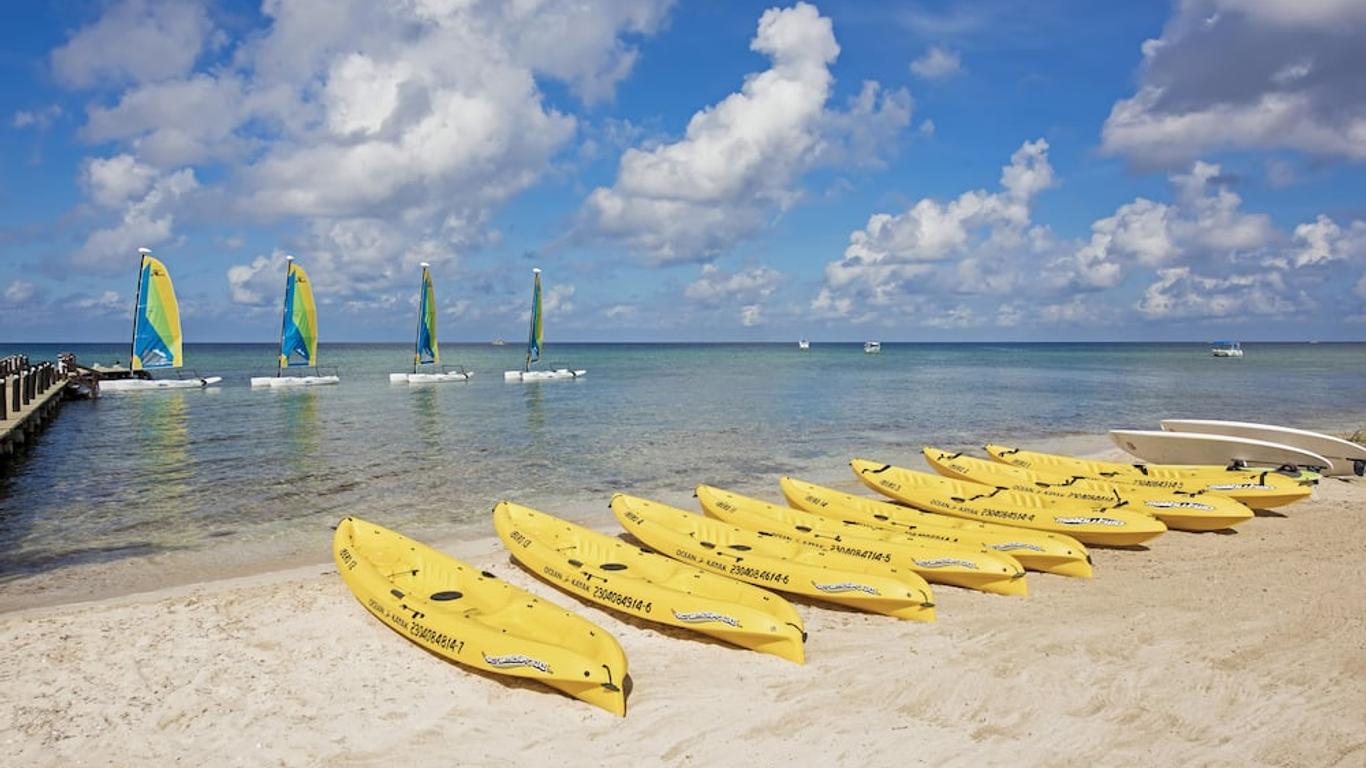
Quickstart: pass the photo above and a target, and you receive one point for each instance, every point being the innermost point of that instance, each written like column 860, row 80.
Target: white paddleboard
column 1344, row 456
column 1190, row 448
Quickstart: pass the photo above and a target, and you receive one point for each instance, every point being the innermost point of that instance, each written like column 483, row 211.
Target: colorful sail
column 533, row 343
column 428, row 351
column 156, row 320
column 299, row 335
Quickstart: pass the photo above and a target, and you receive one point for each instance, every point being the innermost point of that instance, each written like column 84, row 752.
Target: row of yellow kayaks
column 980, row 527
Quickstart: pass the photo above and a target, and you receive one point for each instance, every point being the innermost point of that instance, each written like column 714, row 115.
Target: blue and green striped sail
column 156, row 320
column 534, row 339
column 427, row 351
column 299, row 336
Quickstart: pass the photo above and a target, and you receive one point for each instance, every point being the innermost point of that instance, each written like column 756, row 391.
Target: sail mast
column 143, row 253
column 284, row 318
column 421, row 308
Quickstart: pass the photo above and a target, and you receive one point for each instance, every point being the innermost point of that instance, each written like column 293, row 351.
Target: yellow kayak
column 1258, row 489
column 954, row 565
column 608, row 571
column 772, row 563
column 1087, row 523
column 1199, row 511
column 1035, row 550
column 471, row 617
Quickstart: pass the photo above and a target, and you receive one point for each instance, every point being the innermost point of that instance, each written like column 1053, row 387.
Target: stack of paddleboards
column 979, row 524
column 1241, row 443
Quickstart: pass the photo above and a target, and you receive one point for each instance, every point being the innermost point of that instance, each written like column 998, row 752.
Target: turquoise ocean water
column 249, row 474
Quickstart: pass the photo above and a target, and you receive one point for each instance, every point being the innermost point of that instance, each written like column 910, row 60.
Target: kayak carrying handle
column 997, row 490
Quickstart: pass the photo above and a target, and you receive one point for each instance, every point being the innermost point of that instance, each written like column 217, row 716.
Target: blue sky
column 691, row 171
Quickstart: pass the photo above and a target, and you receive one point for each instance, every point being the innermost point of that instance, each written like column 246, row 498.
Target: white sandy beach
column 1243, row 649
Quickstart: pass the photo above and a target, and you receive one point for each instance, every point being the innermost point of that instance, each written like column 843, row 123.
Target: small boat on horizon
column 298, row 334
column 1226, row 349
column 157, row 340
column 426, row 351
column 804, row 345
column 535, row 340
column 872, row 347
column 498, row 342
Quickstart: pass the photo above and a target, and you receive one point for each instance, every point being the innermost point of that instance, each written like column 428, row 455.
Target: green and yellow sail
column 427, row 349
column 299, row 334
column 157, row 342
column 534, row 339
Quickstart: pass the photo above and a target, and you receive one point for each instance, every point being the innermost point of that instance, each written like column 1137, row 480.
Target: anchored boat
column 157, row 342
column 426, row 350
column 534, row 342
column 298, row 334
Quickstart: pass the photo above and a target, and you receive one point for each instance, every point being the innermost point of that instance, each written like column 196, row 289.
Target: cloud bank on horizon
column 746, row 172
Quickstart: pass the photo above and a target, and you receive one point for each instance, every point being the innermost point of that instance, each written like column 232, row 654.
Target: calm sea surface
column 231, row 469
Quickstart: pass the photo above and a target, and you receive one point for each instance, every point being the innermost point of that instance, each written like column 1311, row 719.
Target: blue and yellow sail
column 157, row 342
column 427, row 351
column 299, row 334
column 534, row 338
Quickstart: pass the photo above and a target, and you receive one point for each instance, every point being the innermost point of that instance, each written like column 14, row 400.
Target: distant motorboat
column 498, row 342
column 1226, row 349
column 872, row 347
column 803, row 345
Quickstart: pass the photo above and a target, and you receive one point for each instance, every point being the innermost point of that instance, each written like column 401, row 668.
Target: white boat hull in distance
column 427, row 378
column 147, row 385
column 558, row 373
column 278, row 382
column 1190, row 448
column 1344, row 456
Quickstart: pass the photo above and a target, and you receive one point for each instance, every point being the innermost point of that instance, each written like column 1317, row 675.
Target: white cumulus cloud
column 736, row 165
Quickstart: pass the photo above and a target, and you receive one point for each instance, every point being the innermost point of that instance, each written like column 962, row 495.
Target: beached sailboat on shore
column 534, row 345
column 298, row 334
column 157, row 341
column 426, row 350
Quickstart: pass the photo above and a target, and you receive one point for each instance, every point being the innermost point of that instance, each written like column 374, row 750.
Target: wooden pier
column 29, row 397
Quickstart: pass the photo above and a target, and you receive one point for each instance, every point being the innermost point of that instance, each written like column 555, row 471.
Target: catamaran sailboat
column 533, row 345
column 157, row 343
column 298, row 334
column 426, row 351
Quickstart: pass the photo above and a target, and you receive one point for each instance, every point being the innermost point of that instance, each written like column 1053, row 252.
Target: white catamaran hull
column 426, row 378
column 293, row 381
column 559, row 373
column 143, row 385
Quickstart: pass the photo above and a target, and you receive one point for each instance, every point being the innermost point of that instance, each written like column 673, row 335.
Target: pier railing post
column 16, row 395
column 4, row 399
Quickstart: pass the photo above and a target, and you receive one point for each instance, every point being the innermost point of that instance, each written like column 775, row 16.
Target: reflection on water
column 298, row 410
column 427, row 421
column 160, row 441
